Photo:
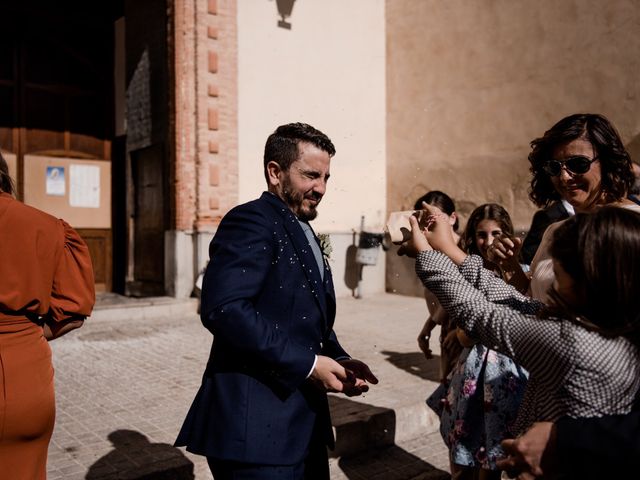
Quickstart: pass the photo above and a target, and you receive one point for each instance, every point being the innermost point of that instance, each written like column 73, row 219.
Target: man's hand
column 529, row 455
column 359, row 376
column 329, row 375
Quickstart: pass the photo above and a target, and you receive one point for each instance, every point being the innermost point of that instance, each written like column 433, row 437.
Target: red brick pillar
column 206, row 152
column 203, row 50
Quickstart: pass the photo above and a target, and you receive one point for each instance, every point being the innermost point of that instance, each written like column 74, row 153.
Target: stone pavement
column 126, row 379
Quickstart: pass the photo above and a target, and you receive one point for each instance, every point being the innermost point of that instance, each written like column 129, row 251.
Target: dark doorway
column 56, row 105
column 149, row 221
column 147, row 111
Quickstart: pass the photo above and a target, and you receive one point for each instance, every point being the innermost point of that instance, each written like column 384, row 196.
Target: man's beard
column 294, row 201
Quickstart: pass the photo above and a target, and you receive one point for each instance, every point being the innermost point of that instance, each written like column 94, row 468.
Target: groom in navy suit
column 268, row 299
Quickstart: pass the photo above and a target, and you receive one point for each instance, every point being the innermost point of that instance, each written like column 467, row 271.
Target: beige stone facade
column 416, row 94
column 470, row 84
column 238, row 75
column 182, row 94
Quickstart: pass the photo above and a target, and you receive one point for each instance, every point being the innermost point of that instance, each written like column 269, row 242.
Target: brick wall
column 182, row 55
column 205, row 73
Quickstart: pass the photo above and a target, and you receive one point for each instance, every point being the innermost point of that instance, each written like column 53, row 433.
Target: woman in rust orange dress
column 46, row 290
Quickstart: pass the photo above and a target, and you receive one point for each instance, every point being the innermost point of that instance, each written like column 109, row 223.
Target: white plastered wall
column 327, row 70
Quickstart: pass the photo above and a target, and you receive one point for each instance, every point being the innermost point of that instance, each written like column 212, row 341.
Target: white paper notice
column 84, row 186
column 55, row 181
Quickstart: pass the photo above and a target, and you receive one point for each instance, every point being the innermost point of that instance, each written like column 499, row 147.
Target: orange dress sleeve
column 73, row 292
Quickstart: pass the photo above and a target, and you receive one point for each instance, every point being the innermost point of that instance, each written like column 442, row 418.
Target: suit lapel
column 330, row 295
column 304, row 253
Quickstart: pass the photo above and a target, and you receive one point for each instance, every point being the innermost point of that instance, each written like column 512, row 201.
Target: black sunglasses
column 576, row 165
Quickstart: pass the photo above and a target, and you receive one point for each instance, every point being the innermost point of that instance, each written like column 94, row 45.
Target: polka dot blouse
column 574, row 371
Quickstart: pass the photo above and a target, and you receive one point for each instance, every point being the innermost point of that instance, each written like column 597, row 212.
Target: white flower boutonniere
column 325, row 245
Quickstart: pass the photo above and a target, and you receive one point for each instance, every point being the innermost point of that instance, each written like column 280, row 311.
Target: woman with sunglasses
column 581, row 160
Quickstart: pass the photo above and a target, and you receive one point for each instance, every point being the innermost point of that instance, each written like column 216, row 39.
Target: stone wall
column 470, row 84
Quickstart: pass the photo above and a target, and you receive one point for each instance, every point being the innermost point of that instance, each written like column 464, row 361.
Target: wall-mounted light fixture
column 285, row 8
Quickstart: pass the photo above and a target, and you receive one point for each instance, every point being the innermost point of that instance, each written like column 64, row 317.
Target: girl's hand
column 434, row 232
column 417, row 242
column 504, row 250
column 423, row 343
column 439, row 234
column 439, row 231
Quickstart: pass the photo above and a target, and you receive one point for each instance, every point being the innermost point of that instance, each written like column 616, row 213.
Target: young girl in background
column 479, row 404
column 450, row 347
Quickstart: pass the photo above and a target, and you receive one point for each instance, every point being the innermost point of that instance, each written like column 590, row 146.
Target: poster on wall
column 55, row 181
column 84, row 186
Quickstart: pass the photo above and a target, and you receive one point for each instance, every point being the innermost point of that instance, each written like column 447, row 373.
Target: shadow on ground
column 415, row 363
column 365, row 443
column 390, row 463
column 135, row 458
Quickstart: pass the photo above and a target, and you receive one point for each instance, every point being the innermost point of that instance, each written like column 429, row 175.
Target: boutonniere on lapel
column 325, row 245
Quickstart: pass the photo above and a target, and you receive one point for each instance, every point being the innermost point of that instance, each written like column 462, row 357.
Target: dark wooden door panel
column 99, row 243
column 149, row 220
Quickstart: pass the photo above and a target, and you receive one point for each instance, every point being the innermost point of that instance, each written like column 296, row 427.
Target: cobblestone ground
column 133, row 383
column 123, row 389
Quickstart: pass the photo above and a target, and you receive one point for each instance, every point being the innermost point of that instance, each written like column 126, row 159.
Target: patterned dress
column 478, row 405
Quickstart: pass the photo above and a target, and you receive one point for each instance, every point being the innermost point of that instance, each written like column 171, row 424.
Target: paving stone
column 124, row 385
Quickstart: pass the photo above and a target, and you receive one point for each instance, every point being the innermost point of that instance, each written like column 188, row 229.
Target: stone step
column 359, row 427
column 112, row 307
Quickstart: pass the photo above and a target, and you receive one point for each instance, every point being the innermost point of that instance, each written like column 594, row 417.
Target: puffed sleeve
column 73, row 292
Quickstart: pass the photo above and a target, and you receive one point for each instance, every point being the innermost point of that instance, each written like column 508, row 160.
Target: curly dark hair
column 441, row 200
column 488, row 211
column 282, row 145
column 615, row 162
column 6, row 182
column 601, row 251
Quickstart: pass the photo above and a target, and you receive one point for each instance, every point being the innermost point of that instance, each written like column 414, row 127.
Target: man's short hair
column 282, row 145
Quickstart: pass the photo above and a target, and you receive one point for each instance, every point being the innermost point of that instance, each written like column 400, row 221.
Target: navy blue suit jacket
column 270, row 313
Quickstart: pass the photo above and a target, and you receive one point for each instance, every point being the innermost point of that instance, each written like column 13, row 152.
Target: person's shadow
column 415, row 363
column 134, row 457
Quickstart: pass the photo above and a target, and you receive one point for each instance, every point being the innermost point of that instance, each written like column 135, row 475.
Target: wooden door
column 149, row 182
